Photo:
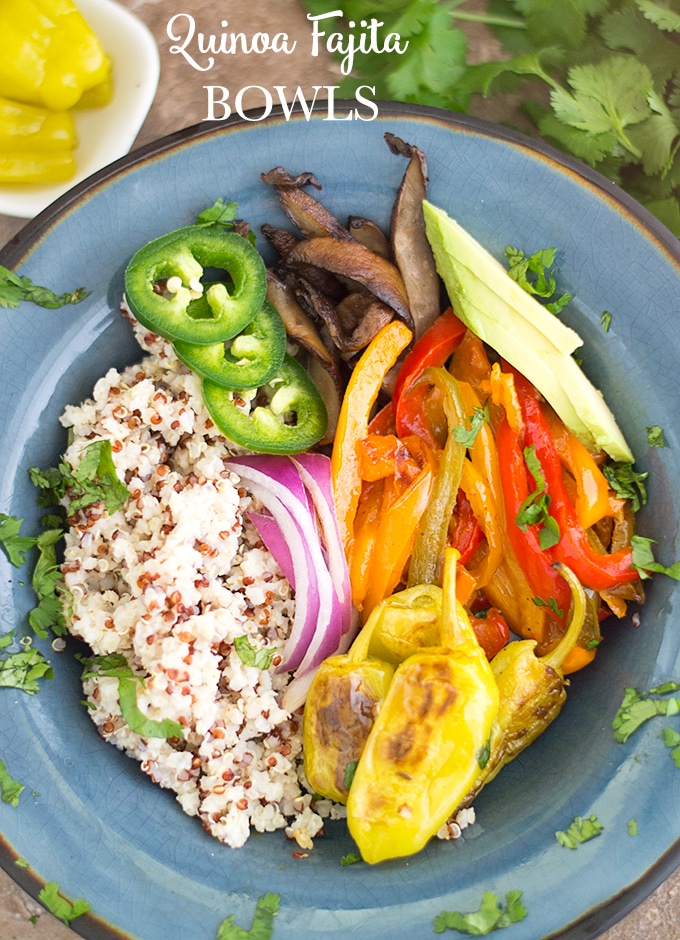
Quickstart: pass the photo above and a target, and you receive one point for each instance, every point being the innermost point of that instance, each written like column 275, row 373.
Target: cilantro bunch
column 598, row 79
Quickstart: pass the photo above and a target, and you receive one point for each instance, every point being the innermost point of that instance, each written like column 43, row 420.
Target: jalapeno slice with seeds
column 163, row 289
column 250, row 360
column 292, row 419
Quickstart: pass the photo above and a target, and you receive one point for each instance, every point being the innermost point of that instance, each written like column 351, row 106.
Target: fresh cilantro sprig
column 534, row 273
column 48, row 614
column 220, row 213
column 251, row 656
column 115, row 666
column 535, row 509
column 627, row 483
column 15, row 289
column 23, row 669
column 468, row 436
column 579, row 831
column 491, row 915
column 14, row 544
column 93, row 480
column 644, row 561
column 262, row 926
column 639, row 707
column 9, row 787
column 61, row 907
column 655, row 436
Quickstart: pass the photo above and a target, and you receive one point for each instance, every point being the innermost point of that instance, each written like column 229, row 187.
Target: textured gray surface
column 181, row 101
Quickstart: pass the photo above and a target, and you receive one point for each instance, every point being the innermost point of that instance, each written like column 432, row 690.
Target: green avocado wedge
column 522, row 331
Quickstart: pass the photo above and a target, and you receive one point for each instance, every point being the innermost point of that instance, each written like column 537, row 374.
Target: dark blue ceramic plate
column 88, row 818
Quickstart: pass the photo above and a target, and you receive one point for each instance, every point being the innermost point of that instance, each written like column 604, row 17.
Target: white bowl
column 107, row 133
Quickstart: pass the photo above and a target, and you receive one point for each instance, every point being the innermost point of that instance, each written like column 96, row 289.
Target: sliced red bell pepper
column 544, row 581
column 596, row 570
column 491, row 629
column 465, row 534
column 433, row 348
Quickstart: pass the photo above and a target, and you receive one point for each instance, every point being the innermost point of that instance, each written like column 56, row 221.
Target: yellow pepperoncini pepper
column 422, row 754
column 51, row 55
column 36, row 145
column 347, row 690
column 531, row 688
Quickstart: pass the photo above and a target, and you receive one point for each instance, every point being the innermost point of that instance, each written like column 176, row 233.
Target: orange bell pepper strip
column 366, row 524
column 479, row 494
column 395, row 537
column 355, row 413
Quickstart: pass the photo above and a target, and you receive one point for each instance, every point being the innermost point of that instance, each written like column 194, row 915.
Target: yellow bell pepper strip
column 53, row 166
column 355, row 413
column 432, row 535
column 423, row 751
column 51, row 55
column 531, row 689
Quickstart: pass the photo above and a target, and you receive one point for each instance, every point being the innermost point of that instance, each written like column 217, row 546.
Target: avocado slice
column 522, row 331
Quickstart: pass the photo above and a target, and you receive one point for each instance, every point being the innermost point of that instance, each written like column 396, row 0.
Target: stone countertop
column 181, row 101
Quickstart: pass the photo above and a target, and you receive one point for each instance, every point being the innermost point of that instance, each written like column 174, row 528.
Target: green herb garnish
column 632, row 827
column 263, row 921
column 536, row 507
column 551, row 604
column 60, row 906
column 23, row 669
column 350, row 770
column 581, row 830
column 14, row 544
column 534, row 273
column 643, row 559
column 251, row 656
column 639, row 707
column 671, row 739
column 93, row 480
column 467, row 436
column 15, row 289
column 491, row 915
column 10, row 788
column 350, row 859
column 48, row 614
column 627, row 483
column 655, row 436
column 606, row 320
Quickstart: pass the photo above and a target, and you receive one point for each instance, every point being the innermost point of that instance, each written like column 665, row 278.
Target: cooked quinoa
column 170, row 581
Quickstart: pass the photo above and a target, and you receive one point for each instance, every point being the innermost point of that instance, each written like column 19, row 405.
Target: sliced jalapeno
column 162, row 284
column 250, row 360
column 288, row 416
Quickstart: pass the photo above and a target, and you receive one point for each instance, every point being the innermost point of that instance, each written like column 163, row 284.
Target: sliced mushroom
column 369, row 233
column 330, row 393
column 299, row 326
column 350, row 259
column 410, row 247
column 281, row 178
column 281, row 240
column 309, row 215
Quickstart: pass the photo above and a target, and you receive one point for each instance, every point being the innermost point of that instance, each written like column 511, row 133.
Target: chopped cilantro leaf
column 632, row 827
column 350, row 859
column 10, row 788
column 535, row 508
column 466, row 436
column 111, row 665
column 534, row 273
column 638, row 708
column 250, row 656
column 263, row 921
column 60, row 906
column 627, row 483
column 606, row 320
column 643, row 559
column 137, row 720
column 93, row 480
column 655, row 436
column 14, row 289
column 580, row 830
column 220, row 213
column 350, row 770
column 48, row 614
column 551, row 604
column 24, row 669
column 21, row 863
column 14, row 544
column 671, row 738
column 490, row 916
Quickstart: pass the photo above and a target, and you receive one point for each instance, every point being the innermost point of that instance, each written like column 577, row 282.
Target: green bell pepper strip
column 293, row 420
column 252, row 358
column 183, row 254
